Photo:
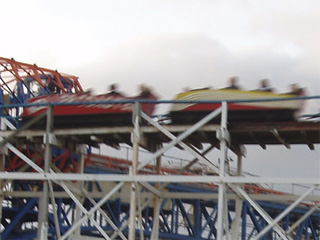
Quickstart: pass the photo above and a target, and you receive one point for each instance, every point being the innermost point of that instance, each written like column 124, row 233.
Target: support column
column 274, row 222
column 78, row 211
column 302, row 219
column 223, row 137
column 235, row 227
column 44, row 200
column 135, row 161
column 3, row 153
column 2, row 164
column 157, row 203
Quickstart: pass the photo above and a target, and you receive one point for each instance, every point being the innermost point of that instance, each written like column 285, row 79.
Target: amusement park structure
column 54, row 187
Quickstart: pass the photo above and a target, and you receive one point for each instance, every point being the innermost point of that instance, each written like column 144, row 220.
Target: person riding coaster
column 243, row 105
column 87, row 109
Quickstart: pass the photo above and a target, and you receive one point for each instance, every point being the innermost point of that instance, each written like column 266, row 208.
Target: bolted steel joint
column 223, row 134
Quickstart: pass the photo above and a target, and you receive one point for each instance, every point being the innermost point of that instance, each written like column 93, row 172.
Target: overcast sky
column 168, row 44
column 177, row 43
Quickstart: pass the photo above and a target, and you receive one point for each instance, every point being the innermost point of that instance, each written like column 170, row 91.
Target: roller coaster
column 53, row 185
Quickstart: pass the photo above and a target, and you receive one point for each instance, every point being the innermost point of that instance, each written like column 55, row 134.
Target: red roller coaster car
column 71, row 113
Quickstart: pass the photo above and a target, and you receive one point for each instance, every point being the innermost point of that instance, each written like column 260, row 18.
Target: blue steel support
column 88, row 206
column 306, row 230
column 117, row 209
column 254, row 219
column 21, row 96
column 149, row 218
column 313, row 232
column 18, row 216
column 14, row 97
column 268, row 235
column 165, row 224
column 146, row 221
column 170, row 220
column 3, row 111
column 286, row 222
column 214, row 229
column 300, row 230
column 185, row 215
column 197, row 218
column 111, row 211
column 59, row 212
column 66, row 212
column 244, row 220
column 174, row 213
column 229, row 218
column 202, row 228
column 210, row 220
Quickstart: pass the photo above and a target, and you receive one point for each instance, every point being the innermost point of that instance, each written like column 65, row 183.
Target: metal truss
column 13, row 72
column 22, row 81
column 48, row 199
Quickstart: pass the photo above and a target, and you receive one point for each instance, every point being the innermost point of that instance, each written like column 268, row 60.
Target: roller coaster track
column 12, row 71
column 107, row 162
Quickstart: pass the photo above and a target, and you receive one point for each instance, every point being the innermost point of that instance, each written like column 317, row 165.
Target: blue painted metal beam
column 16, row 220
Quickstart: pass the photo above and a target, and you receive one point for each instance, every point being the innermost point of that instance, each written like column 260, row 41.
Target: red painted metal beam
column 12, row 70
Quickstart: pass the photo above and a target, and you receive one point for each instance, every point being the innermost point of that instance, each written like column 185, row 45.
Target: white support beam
column 43, row 212
column 151, row 188
column 2, row 184
column 23, row 157
column 54, row 207
column 156, row 203
column 126, row 223
column 284, row 213
column 97, row 131
column 179, row 139
column 148, row 201
column 304, row 217
column 3, row 153
column 6, row 123
column 260, row 210
column 141, row 232
column 154, row 178
column 225, row 216
column 169, row 195
column 278, row 136
column 79, row 185
column 221, row 227
column 156, row 220
column 135, row 135
column 92, row 210
column 77, row 230
column 103, row 213
column 235, row 227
